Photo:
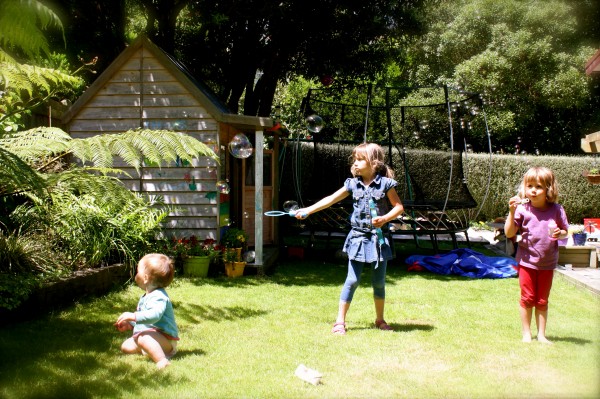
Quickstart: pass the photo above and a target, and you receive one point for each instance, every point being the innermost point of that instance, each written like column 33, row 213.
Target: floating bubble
column 180, row 125
column 223, row 187
column 249, row 256
column 290, row 206
column 240, row 146
column 314, row 123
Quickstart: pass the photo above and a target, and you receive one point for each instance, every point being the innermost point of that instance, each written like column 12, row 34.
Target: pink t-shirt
column 536, row 249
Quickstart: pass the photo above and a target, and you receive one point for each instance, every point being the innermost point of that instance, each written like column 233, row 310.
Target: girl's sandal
column 339, row 329
column 382, row 325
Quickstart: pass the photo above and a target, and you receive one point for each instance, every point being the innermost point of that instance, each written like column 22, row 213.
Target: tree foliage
column 526, row 57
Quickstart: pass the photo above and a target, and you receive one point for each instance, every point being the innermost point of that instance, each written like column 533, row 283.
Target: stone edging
column 65, row 292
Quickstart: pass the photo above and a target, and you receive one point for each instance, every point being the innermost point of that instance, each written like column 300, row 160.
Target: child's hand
column 301, row 214
column 378, row 221
column 127, row 316
column 514, row 202
column 123, row 326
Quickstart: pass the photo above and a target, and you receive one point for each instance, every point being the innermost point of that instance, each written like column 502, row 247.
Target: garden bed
column 68, row 291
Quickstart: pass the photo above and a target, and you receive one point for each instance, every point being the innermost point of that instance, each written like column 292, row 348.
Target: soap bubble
column 249, row 256
column 314, row 123
column 240, row 146
column 223, row 187
column 290, row 206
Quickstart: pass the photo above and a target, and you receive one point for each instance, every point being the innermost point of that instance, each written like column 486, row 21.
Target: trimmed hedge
column 322, row 171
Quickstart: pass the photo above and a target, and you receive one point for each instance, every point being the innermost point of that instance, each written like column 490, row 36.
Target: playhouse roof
column 200, row 91
column 593, row 64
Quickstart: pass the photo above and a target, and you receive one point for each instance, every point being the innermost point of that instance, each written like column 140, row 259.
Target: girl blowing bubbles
column 541, row 221
column 155, row 333
column 372, row 180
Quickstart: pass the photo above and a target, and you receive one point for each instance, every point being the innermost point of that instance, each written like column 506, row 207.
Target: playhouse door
column 248, row 202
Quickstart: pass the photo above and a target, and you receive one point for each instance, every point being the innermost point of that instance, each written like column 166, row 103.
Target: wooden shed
column 147, row 88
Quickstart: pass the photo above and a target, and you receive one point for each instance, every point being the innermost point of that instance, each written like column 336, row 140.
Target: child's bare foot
column 543, row 339
column 527, row 338
column 161, row 364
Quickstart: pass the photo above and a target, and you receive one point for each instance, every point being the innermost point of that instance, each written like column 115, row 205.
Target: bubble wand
column 291, row 213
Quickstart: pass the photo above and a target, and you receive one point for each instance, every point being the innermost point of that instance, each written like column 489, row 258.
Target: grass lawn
column 453, row 338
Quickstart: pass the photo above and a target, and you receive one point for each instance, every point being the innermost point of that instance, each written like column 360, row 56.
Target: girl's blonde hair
column 160, row 269
column 546, row 177
column 375, row 156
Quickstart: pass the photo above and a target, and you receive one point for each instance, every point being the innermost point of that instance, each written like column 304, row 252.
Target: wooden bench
column 578, row 255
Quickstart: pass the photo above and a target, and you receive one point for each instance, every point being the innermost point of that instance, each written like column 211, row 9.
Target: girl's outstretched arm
column 323, row 203
column 397, row 209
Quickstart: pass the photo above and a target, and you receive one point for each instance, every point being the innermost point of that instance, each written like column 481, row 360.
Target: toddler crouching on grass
column 155, row 332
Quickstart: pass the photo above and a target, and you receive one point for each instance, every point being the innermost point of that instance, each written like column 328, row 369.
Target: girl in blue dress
column 373, row 180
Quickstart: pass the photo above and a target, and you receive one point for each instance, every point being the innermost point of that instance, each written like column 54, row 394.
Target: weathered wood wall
column 144, row 93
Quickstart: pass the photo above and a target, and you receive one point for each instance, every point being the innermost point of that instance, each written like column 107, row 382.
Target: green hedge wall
column 323, row 170
column 579, row 198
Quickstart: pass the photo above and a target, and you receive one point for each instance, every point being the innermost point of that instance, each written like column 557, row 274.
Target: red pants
column 535, row 287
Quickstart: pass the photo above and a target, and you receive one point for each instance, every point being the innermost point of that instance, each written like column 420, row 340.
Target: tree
column 525, row 57
column 243, row 49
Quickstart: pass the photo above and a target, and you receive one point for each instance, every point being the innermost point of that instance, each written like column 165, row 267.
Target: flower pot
column 579, row 238
column 196, row 266
column 238, row 253
column 234, row 269
column 593, row 179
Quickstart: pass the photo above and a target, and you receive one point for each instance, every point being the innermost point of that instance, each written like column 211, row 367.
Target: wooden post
column 258, row 198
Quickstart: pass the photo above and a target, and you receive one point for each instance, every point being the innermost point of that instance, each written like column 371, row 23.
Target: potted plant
column 234, row 266
column 235, row 238
column 579, row 236
column 196, row 254
column 592, row 175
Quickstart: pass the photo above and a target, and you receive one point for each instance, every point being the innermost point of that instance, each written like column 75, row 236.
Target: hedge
column 323, row 170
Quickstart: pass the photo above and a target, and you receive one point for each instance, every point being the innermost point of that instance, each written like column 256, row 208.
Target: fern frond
column 16, row 176
column 80, row 181
column 19, row 21
column 133, row 145
column 30, row 145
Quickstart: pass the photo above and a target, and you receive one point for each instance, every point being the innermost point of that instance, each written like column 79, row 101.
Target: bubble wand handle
column 373, row 215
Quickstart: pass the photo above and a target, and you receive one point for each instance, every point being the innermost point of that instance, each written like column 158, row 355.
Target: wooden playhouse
column 145, row 87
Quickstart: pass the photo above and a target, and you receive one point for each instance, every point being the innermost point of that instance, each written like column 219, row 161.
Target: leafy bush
column 93, row 230
column 25, row 261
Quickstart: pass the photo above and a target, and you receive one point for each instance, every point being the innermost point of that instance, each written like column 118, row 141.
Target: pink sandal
column 339, row 329
column 382, row 325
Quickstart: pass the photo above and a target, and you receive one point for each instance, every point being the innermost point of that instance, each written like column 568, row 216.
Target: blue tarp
column 465, row 262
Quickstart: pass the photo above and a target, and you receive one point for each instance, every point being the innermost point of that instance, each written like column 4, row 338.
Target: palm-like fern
column 20, row 151
column 21, row 26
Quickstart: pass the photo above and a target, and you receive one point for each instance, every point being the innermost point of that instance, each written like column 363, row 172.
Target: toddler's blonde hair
column 375, row 156
column 159, row 268
column 546, row 177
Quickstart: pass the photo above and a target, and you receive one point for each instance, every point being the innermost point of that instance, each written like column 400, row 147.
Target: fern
column 16, row 176
column 21, row 25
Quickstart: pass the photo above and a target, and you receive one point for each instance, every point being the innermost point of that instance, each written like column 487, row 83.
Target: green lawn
column 453, row 338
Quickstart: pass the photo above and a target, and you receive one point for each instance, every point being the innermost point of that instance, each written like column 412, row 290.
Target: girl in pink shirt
column 541, row 221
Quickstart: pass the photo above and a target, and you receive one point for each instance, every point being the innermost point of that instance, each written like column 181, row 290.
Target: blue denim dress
column 361, row 243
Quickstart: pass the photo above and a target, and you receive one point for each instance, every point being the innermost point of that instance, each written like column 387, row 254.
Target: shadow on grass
column 193, row 313
column 578, row 341
column 54, row 357
column 400, row 328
